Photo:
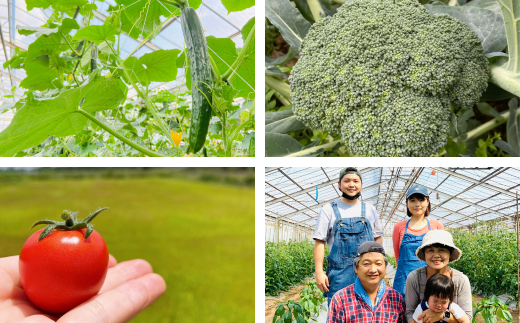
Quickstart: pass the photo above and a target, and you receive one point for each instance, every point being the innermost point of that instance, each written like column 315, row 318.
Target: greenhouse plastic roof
column 459, row 196
column 214, row 18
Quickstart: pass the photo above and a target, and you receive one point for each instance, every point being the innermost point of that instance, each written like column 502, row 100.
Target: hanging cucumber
column 200, row 68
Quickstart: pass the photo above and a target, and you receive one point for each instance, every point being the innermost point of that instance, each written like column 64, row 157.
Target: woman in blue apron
column 349, row 234
column 408, row 261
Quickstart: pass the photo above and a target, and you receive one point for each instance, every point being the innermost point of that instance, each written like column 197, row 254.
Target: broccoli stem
column 278, row 85
column 492, row 124
column 308, row 151
column 316, row 9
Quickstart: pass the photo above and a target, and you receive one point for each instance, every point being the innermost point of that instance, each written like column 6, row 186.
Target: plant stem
column 150, row 107
column 308, row 151
column 118, row 136
column 482, row 129
column 65, row 146
column 316, row 9
column 278, row 85
column 240, row 59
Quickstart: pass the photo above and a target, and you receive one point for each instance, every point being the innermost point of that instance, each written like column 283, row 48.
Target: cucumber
column 200, row 71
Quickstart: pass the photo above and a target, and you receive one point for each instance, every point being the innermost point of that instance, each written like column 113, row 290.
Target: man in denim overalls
column 344, row 225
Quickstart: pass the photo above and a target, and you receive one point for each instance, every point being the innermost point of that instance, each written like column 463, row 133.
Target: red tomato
column 63, row 269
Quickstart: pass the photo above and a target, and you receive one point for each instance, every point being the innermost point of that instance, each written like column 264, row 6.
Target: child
column 438, row 297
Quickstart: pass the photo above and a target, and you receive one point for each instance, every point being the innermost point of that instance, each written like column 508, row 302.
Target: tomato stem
column 70, row 223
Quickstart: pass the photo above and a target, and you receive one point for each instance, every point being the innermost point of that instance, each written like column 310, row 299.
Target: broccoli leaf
column 483, row 17
column 282, row 122
column 278, row 145
column 292, row 25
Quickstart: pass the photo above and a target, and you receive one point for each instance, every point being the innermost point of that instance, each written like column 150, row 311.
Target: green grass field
column 199, row 236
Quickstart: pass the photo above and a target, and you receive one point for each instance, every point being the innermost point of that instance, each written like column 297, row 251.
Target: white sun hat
column 438, row 236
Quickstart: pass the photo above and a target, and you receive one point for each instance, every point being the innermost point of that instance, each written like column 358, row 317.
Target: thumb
column 327, row 281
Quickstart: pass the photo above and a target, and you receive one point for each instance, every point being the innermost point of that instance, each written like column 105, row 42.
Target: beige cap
column 438, row 236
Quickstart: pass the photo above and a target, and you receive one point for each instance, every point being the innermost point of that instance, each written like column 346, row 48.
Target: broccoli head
column 384, row 74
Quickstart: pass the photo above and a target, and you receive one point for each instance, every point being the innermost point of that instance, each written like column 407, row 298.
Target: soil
column 272, row 301
column 294, row 294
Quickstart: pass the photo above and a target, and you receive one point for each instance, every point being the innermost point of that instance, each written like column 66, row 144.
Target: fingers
column 111, row 261
column 9, row 265
column 327, row 283
column 120, row 304
column 41, row 318
column 125, row 271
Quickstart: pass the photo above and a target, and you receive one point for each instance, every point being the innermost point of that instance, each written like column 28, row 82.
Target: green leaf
column 292, row 25
column 278, row 145
column 37, row 120
column 224, row 53
column 27, row 30
column 237, row 5
column 157, row 66
column 282, row 122
column 61, row 5
column 142, row 17
column 39, row 74
column 483, row 17
column 97, row 34
column 247, row 28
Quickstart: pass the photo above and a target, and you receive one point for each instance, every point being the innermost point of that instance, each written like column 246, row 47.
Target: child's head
column 439, row 292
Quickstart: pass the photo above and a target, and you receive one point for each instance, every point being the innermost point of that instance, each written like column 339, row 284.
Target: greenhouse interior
column 157, row 32
column 478, row 206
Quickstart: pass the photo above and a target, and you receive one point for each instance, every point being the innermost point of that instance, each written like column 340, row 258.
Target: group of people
column 425, row 288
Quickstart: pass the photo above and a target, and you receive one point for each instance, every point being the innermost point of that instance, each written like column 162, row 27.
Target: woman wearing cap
column 437, row 250
column 408, row 235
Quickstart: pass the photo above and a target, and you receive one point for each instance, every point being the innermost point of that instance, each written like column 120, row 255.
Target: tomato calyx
column 70, row 223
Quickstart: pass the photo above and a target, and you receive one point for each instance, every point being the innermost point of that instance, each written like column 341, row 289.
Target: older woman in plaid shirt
column 368, row 299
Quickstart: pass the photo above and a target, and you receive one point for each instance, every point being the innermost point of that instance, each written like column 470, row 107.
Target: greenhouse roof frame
column 459, row 196
column 14, row 13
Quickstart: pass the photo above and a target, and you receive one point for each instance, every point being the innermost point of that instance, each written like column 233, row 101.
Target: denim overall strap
column 349, row 234
column 408, row 261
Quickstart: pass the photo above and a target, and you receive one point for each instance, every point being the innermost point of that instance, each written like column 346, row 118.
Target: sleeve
column 418, row 311
column 322, row 225
column 402, row 315
column 412, row 295
column 457, row 311
column 335, row 315
column 396, row 241
column 465, row 297
column 377, row 228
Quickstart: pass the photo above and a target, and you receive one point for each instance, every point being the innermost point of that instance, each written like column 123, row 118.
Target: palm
column 129, row 288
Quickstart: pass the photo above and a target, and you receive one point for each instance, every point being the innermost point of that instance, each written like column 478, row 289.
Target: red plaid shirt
column 348, row 307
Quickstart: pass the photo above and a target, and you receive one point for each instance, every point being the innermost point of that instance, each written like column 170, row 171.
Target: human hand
column 129, row 288
column 322, row 281
column 430, row 316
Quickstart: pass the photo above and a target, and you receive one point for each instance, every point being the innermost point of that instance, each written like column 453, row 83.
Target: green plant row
column 287, row 263
column 488, row 259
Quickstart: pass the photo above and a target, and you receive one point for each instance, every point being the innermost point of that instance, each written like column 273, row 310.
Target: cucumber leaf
column 224, row 53
column 37, row 120
column 157, row 66
column 237, row 5
column 97, row 34
column 142, row 17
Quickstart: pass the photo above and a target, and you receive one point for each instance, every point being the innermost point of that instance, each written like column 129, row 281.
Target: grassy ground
column 198, row 235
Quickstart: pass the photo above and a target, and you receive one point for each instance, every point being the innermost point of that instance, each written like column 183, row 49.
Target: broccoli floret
column 385, row 74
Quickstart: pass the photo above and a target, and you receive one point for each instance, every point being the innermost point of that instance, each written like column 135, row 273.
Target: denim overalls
column 408, row 261
column 349, row 234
